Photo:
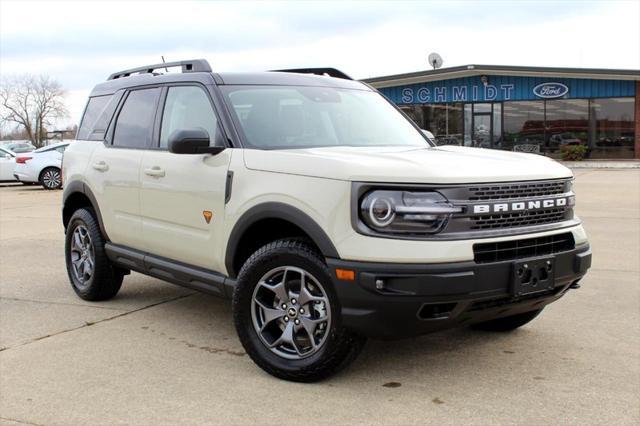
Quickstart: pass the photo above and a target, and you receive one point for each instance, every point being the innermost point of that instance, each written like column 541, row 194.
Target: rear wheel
column 287, row 315
column 507, row 323
column 91, row 274
column 51, row 178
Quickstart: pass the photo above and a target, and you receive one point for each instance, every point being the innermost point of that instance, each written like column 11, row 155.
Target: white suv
column 316, row 206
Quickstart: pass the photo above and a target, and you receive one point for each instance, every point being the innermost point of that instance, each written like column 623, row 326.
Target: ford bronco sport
column 313, row 203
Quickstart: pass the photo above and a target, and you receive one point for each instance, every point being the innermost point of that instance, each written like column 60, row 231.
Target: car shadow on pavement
column 433, row 356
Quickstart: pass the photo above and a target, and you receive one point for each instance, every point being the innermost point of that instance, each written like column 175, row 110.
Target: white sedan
column 7, row 163
column 41, row 166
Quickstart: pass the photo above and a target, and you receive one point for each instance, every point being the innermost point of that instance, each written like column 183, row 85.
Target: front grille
column 519, row 249
column 510, row 220
column 497, row 200
column 511, row 191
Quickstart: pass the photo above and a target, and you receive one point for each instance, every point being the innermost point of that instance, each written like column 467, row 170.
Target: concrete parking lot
column 159, row 354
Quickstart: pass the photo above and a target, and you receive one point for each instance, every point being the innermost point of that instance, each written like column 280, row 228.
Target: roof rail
column 193, row 65
column 331, row 72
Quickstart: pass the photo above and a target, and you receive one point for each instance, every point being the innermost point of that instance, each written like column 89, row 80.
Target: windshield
column 281, row 117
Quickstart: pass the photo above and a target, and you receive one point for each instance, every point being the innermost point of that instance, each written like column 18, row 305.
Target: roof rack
column 331, row 72
column 193, row 65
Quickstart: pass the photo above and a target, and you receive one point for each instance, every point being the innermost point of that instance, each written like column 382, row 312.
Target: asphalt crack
column 89, row 324
column 24, row 422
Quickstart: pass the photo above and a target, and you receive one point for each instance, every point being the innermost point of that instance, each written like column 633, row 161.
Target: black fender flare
column 275, row 210
column 80, row 187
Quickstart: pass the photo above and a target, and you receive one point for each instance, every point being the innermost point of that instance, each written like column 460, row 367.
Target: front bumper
column 391, row 301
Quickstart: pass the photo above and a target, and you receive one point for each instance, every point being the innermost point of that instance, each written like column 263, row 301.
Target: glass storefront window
column 612, row 128
column 606, row 125
column 481, row 132
column 443, row 120
column 468, row 113
column 523, row 126
column 480, row 108
column 567, row 123
column 497, row 125
column 453, row 131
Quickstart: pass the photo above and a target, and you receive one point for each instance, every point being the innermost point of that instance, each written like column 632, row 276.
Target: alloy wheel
column 51, row 178
column 291, row 312
column 82, row 255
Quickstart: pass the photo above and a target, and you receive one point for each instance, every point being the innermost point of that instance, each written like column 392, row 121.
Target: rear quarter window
column 92, row 113
column 97, row 116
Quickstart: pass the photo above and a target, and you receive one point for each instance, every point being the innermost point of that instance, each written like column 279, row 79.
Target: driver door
column 182, row 196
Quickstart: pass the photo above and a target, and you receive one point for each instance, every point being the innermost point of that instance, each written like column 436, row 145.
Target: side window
column 102, row 123
column 92, row 113
column 134, row 127
column 61, row 149
column 187, row 107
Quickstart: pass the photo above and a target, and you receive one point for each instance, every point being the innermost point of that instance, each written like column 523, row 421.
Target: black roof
column 472, row 70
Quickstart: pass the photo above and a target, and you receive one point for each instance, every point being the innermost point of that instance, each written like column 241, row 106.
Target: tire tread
column 107, row 279
column 348, row 345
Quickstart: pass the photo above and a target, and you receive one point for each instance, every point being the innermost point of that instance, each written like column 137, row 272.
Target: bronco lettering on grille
column 520, row 206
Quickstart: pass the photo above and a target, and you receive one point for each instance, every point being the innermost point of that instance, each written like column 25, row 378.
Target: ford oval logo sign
column 550, row 90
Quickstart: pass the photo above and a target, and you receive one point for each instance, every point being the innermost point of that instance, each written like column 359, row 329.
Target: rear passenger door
column 113, row 173
column 183, row 195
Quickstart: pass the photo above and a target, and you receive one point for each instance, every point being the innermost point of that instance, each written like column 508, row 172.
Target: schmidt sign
column 473, row 89
column 425, row 95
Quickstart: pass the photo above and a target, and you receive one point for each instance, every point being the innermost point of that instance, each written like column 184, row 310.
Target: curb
column 601, row 164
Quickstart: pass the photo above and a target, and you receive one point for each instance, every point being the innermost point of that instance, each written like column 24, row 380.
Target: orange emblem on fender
column 207, row 215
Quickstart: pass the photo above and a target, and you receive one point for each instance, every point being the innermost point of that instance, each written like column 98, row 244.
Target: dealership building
column 529, row 109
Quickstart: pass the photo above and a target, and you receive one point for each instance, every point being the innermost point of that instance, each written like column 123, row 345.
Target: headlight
column 569, row 185
column 406, row 212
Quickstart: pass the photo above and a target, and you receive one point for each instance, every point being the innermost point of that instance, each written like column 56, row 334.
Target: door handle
column 100, row 166
column 155, row 171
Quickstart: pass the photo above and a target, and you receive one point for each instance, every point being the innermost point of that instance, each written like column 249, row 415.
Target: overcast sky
column 81, row 43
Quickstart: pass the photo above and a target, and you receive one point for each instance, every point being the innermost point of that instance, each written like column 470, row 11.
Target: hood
column 443, row 164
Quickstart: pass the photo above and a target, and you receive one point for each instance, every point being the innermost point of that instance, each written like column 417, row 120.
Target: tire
column 51, row 178
column 84, row 240
column 256, row 306
column 509, row 323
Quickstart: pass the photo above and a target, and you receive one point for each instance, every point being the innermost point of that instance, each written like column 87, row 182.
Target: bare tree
column 33, row 103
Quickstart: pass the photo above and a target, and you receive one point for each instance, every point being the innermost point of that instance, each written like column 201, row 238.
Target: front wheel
column 287, row 315
column 507, row 323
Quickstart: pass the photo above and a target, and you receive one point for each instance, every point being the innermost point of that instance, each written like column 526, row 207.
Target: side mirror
column 192, row 141
column 7, row 156
column 429, row 135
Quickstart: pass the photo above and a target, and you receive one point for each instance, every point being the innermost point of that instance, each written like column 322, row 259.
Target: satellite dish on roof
column 435, row 60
